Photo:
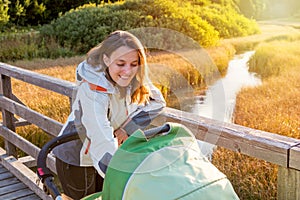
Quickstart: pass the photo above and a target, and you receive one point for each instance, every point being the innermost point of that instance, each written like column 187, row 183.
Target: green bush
column 29, row 45
column 172, row 25
column 177, row 16
column 199, row 20
column 83, row 28
column 4, row 17
column 227, row 21
column 39, row 12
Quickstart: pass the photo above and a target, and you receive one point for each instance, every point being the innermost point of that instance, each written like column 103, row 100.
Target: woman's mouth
column 125, row 77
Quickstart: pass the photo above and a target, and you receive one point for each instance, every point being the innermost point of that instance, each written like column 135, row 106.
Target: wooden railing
column 280, row 150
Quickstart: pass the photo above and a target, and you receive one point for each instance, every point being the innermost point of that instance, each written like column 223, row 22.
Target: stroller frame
column 47, row 177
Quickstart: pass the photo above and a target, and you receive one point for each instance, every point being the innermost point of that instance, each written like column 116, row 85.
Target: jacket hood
column 93, row 75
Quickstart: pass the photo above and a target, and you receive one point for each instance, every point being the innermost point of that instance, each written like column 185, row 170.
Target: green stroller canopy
column 167, row 166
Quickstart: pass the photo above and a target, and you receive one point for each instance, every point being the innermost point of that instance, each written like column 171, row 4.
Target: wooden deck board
column 30, row 197
column 8, row 181
column 12, row 188
column 5, row 175
column 16, row 169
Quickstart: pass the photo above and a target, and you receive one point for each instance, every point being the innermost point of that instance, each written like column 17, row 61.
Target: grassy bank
column 272, row 107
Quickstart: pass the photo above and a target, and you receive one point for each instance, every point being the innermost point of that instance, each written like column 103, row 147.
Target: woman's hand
column 121, row 135
column 65, row 197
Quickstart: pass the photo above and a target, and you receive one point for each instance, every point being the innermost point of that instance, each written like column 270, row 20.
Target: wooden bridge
column 280, row 150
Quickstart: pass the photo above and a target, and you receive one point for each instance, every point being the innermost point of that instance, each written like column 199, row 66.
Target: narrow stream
column 220, row 98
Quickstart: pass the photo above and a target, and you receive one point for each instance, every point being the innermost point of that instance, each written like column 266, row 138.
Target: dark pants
column 78, row 182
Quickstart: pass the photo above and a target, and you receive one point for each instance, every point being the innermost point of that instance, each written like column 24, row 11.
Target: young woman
column 114, row 98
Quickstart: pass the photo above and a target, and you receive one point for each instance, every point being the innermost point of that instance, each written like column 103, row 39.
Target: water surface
column 220, row 98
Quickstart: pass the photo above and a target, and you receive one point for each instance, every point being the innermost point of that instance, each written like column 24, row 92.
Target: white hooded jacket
column 97, row 111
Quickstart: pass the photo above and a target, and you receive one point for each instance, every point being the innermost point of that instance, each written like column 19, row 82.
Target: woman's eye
column 123, row 64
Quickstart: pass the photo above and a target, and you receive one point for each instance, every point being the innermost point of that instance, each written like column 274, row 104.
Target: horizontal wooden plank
column 17, row 194
column 24, row 174
column 12, row 188
column 45, row 123
column 21, row 122
column 19, row 142
column 2, row 169
column 6, row 175
column 29, row 161
column 260, row 144
column 295, row 157
column 8, row 181
column 26, row 146
column 30, row 197
column 53, row 84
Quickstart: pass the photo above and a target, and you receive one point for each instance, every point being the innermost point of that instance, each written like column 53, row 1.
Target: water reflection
column 220, row 98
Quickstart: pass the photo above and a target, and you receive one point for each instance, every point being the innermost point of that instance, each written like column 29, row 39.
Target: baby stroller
column 161, row 163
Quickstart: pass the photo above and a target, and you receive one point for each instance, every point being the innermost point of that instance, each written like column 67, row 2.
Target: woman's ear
column 106, row 60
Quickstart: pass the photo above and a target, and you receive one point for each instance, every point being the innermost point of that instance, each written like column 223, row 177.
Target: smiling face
column 123, row 65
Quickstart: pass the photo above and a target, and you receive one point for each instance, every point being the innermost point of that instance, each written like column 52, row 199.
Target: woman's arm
column 144, row 115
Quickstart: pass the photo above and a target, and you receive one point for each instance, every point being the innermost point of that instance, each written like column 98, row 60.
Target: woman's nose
column 127, row 68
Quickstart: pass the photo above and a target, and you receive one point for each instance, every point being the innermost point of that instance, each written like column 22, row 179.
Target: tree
column 26, row 12
column 4, row 17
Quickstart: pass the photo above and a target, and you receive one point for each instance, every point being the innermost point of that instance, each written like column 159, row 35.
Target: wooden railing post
column 288, row 184
column 73, row 97
column 8, row 118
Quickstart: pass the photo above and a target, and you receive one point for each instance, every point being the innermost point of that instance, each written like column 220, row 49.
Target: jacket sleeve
column 144, row 115
column 101, row 143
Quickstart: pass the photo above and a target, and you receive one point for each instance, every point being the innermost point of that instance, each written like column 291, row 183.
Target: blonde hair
column 140, row 92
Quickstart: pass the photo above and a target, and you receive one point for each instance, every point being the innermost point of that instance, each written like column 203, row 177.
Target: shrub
column 177, row 16
column 83, row 28
column 177, row 25
column 4, row 17
column 227, row 21
column 29, row 45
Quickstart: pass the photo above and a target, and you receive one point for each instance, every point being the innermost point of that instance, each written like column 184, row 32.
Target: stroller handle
column 157, row 130
column 51, row 188
column 44, row 172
